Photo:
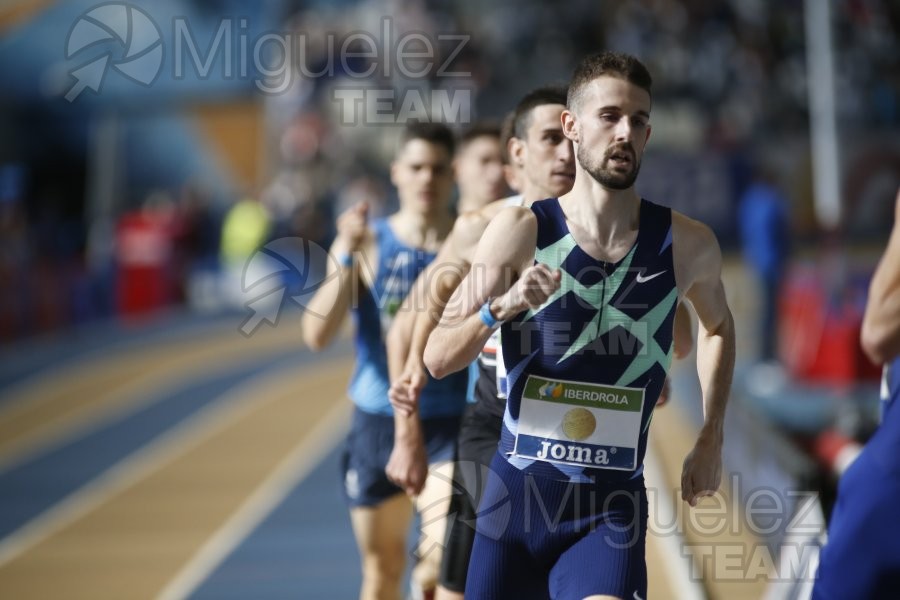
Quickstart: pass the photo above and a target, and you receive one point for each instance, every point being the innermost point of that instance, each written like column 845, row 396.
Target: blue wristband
column 487, row 318
column 345, row 260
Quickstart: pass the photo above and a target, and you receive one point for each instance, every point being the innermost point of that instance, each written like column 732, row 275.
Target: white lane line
column 286, row 476
column 32, row 391
column 679, row 568
column 180, row 439
column 110, row 409
column 122, row 401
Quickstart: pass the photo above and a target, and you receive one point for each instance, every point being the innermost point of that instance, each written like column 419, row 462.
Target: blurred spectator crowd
column 727, row 76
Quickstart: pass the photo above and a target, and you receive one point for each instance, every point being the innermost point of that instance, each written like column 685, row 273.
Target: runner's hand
column 408, row 466
column 702, row 471
column 536, row 284
column 352, row 228
column 405, row 391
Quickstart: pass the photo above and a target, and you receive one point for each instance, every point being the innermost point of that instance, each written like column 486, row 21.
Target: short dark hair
column 549, row 94
column 616, row 64
column 506, row 134
column 434, row 133
column 477, row 130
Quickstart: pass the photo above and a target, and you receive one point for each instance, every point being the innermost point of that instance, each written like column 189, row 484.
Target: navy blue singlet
column 586, row 369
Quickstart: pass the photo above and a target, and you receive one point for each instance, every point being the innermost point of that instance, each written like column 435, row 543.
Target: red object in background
column 143, row 256
column 820, row 339
column 835, row 451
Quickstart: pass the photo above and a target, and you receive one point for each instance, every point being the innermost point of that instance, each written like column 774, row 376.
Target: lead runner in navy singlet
column 585, row 287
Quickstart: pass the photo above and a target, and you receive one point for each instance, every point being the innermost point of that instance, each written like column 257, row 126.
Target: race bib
column 580, row 424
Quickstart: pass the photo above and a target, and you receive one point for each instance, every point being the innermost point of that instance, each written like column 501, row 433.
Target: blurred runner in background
column 376, row 264
column 542, row 163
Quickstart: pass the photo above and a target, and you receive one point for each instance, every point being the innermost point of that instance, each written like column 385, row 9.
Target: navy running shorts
column 542, row 538
column 368, row 448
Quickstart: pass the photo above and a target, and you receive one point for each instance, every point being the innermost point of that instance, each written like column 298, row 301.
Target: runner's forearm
column 398, row 342
column 326, row 310
column 715, row 367
column 454, row 344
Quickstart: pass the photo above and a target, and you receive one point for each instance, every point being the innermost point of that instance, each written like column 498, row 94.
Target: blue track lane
column 35, row 485
column 303, row 549
column 30, row 358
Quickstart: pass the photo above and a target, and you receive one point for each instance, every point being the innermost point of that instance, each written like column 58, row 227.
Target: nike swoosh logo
column 641, row 279
column 636, row 597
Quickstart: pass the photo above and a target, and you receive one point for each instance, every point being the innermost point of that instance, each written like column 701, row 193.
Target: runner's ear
column 569, row 125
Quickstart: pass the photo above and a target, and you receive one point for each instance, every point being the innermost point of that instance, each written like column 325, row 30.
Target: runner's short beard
column 606, row 177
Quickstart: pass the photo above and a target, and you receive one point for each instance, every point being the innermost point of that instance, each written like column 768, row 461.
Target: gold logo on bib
column 579, row 423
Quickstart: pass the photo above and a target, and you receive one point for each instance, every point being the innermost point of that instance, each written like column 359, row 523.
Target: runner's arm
column 699, row 263
column 408, row 464
column 502, row 271
column 327, row 308
column 399, row 336
column 445, row 275
column 683, row 334
column 881, row 324
column 433, row 289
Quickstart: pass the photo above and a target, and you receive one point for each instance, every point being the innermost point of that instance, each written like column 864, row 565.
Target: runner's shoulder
column 695, row 246
column 470, row 226
column 512, row 222
column 692, row 235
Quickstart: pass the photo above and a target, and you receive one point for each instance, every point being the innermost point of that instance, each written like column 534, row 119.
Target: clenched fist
column 404, row 393
column 701, row 473
column 533, row 288
column 352, row 227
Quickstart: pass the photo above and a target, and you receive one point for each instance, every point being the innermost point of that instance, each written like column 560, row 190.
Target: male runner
column 544, row 165
column 862, row 556
column 482, row 422
column 585, row 287
column 479, row 175
column 378, row 262
column 478, row 167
